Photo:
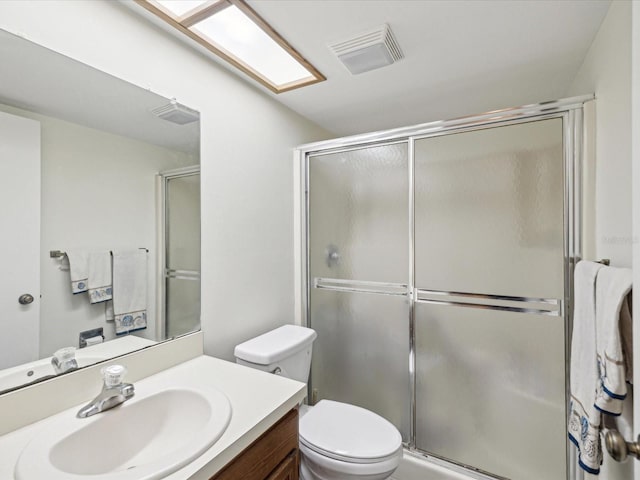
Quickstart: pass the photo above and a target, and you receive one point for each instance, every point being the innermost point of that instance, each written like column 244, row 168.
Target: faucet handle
column 64, row 360
column 64, row 354
column 113, row 375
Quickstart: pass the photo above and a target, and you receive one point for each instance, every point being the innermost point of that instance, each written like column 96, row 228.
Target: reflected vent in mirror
column 177, row 113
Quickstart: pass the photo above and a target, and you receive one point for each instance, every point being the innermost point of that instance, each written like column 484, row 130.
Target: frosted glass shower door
column 359, row 214
column 489, row 250
column 182, row 242
column 362, row 352
column 358, row 222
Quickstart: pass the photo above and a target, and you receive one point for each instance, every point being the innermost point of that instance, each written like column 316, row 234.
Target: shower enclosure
column 436, row 266
column 179, row 245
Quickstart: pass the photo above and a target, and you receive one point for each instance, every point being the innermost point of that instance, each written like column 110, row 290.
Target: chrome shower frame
column 570, row 110
column 162, row 241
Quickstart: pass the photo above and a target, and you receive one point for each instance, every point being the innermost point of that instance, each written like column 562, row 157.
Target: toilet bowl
column 338, row 441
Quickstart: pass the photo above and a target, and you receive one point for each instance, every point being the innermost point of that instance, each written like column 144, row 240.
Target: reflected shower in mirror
column 85, row 159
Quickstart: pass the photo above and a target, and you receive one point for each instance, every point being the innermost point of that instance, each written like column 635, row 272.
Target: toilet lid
column 349, row 433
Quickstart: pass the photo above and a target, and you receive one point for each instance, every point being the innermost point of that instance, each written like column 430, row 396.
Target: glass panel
column 489, row 211
column 359, row 212
column 361, row 355
column 183, row 306
column 182, row 297
column 183, row 223
column 490, row 390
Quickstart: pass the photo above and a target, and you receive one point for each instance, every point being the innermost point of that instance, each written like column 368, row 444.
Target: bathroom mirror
column 109, row 175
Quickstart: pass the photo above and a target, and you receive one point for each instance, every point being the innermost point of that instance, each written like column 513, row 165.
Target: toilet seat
column 349, row 434
column 341, row 470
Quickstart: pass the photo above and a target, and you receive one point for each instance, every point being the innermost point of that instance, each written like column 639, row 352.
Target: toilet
column 338, row 441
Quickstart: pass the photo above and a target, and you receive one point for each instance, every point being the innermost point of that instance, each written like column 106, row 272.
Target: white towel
column 130, row 290
column 100, row 289
column 79, row 270
column 109, row 316
column 584, row 419
column 613, row 330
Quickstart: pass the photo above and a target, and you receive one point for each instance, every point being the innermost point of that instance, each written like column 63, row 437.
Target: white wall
column 98, row 191
column 247, row 240
column 635, row 152
column 606, row 71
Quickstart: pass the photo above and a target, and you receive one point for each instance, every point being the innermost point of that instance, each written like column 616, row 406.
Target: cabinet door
column 287, row 470
column 263, row 458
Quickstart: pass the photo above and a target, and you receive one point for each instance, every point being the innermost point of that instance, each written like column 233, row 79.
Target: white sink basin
column 147, row 437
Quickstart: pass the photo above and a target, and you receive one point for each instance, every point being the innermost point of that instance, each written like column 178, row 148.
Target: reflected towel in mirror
column 130, row 290
column 99, row 273
column 79, row 270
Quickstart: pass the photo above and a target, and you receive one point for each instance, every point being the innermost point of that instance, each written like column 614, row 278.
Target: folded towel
column 613, row 330
column 584, row 418
column 79, row 270
column 100, row 289
column 130, row 290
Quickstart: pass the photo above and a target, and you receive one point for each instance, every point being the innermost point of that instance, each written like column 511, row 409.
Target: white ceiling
column 461, row 56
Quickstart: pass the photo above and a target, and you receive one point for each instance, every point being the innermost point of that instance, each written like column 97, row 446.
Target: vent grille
column 369, row 50
column 177, row 113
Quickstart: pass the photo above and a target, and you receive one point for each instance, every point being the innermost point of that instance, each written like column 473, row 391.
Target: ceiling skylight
column 233, row 31
column 180, row 7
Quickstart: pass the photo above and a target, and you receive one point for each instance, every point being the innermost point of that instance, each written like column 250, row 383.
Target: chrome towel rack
column 60, row 253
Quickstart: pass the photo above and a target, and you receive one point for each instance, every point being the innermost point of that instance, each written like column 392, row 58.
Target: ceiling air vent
column 177, row 113
column 373, row 49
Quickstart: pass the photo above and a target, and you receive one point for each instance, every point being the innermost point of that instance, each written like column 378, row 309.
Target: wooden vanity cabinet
column 273, row 456
column 287, row 470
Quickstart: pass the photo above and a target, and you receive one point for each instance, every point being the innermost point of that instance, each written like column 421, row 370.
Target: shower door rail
column 537, row 306
column 182, row 274
column 357, row 286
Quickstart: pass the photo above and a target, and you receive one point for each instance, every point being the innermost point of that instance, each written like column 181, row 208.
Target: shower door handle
column 332, row 256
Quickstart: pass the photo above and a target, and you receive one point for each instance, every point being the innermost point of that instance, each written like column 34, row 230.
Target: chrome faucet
column 114, row 392
column 64, row 360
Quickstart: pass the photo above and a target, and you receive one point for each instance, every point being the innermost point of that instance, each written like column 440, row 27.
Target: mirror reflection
column 100, row 209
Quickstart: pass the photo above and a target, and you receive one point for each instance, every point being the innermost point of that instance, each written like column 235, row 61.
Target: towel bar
column 60, row 253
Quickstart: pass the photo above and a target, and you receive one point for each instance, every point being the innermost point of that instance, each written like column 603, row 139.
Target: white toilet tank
column 287, row 348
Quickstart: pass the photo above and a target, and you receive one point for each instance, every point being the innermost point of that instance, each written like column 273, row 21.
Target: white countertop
column 258, row 400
